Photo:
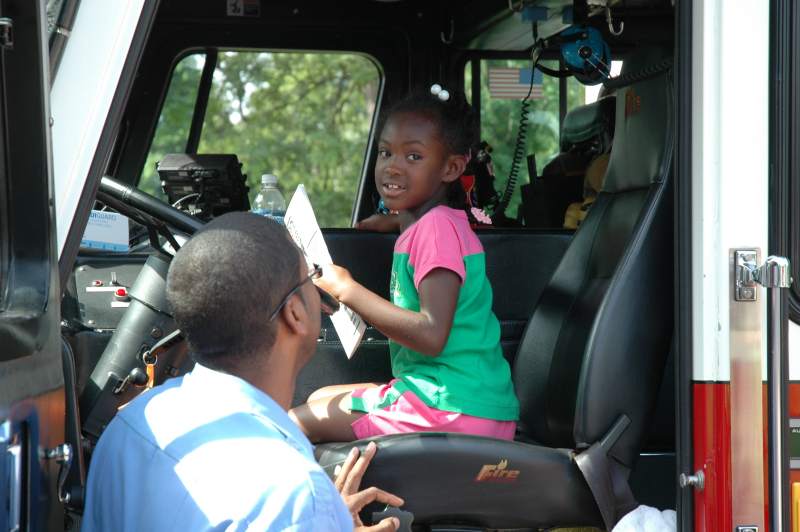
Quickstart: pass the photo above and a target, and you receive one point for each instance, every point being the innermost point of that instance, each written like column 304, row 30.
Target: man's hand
column 348, row 480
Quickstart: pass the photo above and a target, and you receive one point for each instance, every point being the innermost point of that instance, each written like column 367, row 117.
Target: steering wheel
column 147, row 210
column 119, row 374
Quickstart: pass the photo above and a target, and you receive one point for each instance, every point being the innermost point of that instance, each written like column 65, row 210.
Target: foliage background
column 306, row 118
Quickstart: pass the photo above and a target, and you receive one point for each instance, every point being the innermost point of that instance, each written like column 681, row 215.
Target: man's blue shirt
column 208, row 451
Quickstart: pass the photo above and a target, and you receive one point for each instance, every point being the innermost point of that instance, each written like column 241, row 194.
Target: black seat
column 589, row 365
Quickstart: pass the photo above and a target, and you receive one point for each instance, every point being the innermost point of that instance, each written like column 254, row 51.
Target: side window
column 175, row 120
column 304, row 117
column 503, row 84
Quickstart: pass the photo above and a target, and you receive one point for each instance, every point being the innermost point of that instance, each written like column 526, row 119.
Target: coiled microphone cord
column 519, row 146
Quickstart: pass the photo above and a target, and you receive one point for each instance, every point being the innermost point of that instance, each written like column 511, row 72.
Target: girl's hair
column 458, row 127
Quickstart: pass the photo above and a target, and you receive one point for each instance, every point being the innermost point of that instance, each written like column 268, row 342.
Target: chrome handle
column 775, row 274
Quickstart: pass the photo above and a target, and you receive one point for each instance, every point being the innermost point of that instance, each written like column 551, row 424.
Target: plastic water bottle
column 270, row 201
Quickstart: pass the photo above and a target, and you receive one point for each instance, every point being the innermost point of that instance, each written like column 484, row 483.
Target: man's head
column 225, row 282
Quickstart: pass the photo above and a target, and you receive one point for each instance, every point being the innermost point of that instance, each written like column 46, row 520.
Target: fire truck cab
column 644, row 192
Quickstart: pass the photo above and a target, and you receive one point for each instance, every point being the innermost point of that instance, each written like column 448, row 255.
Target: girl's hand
column 383, row 223
column 335, row 280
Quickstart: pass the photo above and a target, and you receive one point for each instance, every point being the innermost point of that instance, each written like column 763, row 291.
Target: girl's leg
column 338, row 389
column 326, row 419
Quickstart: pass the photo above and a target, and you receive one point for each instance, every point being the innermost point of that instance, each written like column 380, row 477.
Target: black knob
column 138, row 377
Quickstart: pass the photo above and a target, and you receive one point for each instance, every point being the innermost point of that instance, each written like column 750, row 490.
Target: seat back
column 595, row 345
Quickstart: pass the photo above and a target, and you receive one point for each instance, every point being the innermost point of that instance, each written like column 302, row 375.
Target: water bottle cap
column 269, row 179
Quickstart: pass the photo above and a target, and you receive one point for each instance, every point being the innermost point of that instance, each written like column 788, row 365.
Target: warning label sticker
column 244, row 8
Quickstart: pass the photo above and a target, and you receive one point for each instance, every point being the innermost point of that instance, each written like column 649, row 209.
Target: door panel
column 518, row 263
column 31, row 376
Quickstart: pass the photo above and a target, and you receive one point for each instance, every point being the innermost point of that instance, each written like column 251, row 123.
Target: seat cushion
column 462, row 479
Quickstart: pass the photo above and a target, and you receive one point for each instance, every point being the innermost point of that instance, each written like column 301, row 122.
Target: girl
column 444, row 340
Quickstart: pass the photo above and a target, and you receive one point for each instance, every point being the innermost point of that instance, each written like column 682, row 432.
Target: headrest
column 643, row 126
column 588, row 121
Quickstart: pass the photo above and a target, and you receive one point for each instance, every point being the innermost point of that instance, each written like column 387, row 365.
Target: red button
column 121, row 294
column 97, row 282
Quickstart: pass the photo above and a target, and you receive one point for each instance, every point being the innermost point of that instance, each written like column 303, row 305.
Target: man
column 216, row 449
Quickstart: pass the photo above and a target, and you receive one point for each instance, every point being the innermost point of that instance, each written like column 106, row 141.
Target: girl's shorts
column 409, row 414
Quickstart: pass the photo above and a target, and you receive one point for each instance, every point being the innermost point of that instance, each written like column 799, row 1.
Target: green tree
column 500, row 121
column 175, row 119
column 304, row 117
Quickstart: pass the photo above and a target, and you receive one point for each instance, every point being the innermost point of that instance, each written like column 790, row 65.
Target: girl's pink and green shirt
column 470, row 375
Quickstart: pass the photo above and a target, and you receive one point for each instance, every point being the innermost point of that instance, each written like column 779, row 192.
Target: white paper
column 302, row 225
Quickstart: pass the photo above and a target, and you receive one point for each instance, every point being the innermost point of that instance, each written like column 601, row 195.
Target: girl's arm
column 383, row 223
column 425, row 331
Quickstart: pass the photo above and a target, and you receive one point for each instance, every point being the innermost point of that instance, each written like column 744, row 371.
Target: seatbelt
column 607, row 478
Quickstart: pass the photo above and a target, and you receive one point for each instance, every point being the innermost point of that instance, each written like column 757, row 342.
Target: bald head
column 223, row 284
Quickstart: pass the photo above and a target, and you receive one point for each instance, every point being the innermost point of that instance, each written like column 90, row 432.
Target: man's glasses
column 328, row 303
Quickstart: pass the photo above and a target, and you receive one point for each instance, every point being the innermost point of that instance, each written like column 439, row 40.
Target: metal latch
column 63, row 455
column 774, row 273
column 745, row 265
column 6, row 33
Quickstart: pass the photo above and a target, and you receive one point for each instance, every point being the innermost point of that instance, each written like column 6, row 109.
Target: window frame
column 201, row 99
column 547, row 55
column 205, row 86
column 475, row 89
column 159, row 108
column 59, row 33
column 784, row 152
column 477, row 56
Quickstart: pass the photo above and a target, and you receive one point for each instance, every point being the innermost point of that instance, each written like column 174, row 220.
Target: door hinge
column 6, row 33
column 63, row 455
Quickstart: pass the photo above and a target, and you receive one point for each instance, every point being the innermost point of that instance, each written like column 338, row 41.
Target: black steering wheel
column 119, row 374
column 147, row 210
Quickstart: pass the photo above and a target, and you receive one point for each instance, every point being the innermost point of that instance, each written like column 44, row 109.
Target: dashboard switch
column 121, row 294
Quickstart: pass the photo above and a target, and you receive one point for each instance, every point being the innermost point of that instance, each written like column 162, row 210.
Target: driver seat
column 588, row 367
